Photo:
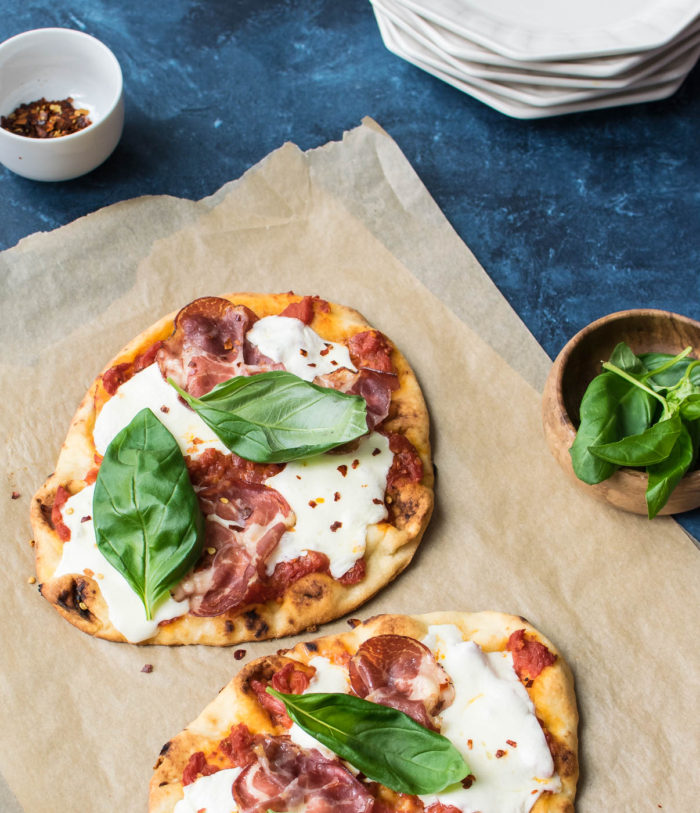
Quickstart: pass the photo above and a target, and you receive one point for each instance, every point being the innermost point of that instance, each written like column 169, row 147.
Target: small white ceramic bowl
column 56, row 63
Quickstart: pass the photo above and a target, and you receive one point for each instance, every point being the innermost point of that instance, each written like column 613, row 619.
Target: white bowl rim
column 111, row 109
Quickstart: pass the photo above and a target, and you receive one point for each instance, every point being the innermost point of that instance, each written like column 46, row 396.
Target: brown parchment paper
column 81, row 725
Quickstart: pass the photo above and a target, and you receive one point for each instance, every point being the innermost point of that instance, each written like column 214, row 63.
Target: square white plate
column 561, row 29
column 538, row 89
column 520, row 110
column 447, row 42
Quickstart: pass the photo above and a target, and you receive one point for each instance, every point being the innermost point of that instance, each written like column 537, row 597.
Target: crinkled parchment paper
column 81, row 725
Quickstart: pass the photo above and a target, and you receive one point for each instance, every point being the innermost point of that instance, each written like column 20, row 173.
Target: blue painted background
column 572, row 217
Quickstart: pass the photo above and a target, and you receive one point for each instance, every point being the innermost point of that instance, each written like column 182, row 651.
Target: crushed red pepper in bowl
column 46, row 119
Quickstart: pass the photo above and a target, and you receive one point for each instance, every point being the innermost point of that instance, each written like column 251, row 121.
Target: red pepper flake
column 500, row 753
column 311, row 364
column 354, row 622
column 470, row 744
column 165, row 409
column 303, row 352
column 15, row 495
column 239, row 654
column 336, row 496
column 512, row 743
column 343, row 469
column 326, row 350
column 312, row 503
column 377, row 501
column 147, row 668
column 298, row 476
column 334, row 362
column 46, row 119
column 336, row 525
column 355, row 463
column 86, row 518
column 375, row 452
column 468, row 781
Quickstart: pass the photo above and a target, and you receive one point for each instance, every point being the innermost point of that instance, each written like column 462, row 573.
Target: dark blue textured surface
column 572, row 217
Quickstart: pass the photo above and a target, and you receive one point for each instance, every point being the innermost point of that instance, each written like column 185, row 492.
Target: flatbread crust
column 552, row 694
column 315, row 598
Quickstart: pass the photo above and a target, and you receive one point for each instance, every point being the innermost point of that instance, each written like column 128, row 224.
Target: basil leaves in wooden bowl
column 637, row 417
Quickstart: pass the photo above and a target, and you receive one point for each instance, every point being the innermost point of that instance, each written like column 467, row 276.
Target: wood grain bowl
column 644, row 330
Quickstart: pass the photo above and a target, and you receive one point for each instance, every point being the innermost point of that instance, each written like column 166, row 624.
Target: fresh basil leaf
column 670, row 377
column 690, row 407
column 648, row 448
column 385, row 744
column 611, row 409
column 623, row 357
column 665, row 475
column 693, row 428
column 147, row 519
column 276, row 417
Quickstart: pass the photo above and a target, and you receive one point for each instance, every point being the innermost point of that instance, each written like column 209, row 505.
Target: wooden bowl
column 574, row 368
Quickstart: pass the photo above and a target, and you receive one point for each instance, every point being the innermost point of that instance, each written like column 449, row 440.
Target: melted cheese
column 335, row 497
column 148, row 388
column 302, row 351
column 491, row 706
column 210, row 794
column 82, row 556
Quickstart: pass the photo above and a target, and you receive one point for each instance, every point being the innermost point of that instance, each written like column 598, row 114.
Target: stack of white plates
column 538, row 58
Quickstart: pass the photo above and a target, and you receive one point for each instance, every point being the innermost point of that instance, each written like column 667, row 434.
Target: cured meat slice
column 245, row 522
column 370, row 350
column 283, row 776
column 209, row 346
column 293, row 678
column 375, row 378
column 530, row 657
column 402, row 673
column 303, row 310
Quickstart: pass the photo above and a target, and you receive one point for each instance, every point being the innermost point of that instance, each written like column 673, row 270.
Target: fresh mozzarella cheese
column 210, row 794
column 335, row 498
column 492, row 723
column 302, row 351
column 82, row 556
column 148, row 388
column 330, row 679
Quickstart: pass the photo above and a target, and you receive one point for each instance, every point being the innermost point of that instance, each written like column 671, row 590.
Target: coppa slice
column 285, row 545
column 487, row 683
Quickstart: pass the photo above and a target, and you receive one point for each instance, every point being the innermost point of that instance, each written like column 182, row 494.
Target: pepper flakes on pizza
column 259, row 549
column 443, row 713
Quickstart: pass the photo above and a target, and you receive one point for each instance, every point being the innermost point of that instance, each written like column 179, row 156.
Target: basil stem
column 148, row 523
column 385, row 744
column 671, row 362
column 670, row 375
column 632, row 380
column 276, row 417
